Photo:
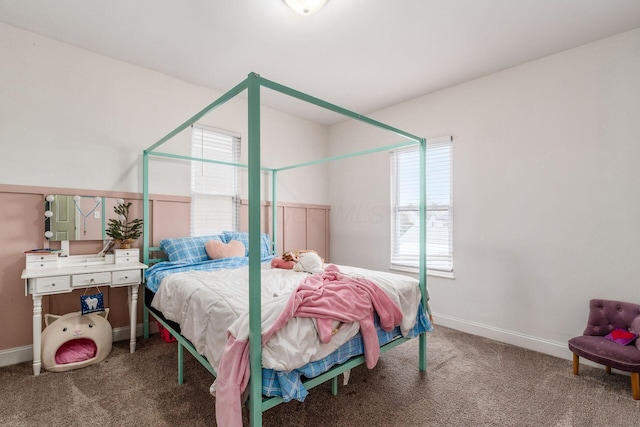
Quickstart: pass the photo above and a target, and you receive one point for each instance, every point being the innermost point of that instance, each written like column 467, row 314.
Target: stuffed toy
column 309, row 262
column 290, row 256
column 74, row 340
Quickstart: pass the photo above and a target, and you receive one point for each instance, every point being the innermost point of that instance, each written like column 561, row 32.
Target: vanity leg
column 37, row 333
column 133, row 310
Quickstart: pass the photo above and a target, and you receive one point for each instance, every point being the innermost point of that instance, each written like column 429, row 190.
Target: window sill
column 432, row 273
column 443, row 274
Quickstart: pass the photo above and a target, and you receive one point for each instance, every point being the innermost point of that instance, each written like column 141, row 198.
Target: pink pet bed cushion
column 76, row 351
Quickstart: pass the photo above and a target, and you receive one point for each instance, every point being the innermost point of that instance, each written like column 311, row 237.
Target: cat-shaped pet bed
column 74, row 340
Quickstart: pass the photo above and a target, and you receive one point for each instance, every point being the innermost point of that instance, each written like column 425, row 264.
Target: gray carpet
column 470, row 381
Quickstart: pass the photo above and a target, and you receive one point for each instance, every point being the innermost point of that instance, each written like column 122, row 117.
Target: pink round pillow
column 278, row 262
column 216, row 249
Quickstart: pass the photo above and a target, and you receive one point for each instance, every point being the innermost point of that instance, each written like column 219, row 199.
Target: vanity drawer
column 124, row 259
column 52, row 284
column 42, row 257
column 41, row 261
column 125, row 277
column 127, row 255
column 39, row 265
column 90, row 279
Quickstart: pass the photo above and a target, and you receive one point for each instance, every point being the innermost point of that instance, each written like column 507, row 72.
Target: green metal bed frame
column 257, row 403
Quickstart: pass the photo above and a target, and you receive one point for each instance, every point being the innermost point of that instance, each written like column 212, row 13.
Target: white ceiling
column 363, row 55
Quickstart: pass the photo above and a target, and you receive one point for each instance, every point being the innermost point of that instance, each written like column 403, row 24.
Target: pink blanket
column 328, row 296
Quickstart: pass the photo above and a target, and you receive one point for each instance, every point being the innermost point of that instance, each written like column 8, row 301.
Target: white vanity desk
column 48, row 274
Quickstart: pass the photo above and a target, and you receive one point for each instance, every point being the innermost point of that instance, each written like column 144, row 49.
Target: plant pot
column 125, row 244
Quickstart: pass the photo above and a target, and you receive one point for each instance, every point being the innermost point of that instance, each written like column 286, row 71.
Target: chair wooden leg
column 635, row 385
column 607, row 369
column 576, row 363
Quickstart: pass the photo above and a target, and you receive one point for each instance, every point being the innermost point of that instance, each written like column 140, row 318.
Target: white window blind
column 215, row 187
column 405, row 200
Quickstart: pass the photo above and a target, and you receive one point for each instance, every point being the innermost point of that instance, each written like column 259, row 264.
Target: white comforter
column 209, row 304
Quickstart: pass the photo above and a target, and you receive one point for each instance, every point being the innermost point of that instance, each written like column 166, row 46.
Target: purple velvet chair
column 604, row 317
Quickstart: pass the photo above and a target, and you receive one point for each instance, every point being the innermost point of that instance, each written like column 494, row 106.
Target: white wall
column 72, row 118
column 546, row 193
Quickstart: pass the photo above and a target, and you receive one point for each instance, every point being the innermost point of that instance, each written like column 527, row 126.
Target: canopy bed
column 195, row 283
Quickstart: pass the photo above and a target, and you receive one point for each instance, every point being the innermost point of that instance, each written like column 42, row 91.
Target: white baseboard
column 540, row 345
column 122, row 334
column 16, row 355
column 552, row 348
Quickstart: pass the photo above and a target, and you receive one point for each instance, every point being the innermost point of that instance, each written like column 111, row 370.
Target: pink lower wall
column 299, row 227
column 22, row 228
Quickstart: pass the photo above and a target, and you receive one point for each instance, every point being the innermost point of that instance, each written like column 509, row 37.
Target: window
column 405, row 201
column 215, row 187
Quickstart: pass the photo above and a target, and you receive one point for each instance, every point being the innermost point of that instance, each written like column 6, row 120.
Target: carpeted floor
column 470, row 381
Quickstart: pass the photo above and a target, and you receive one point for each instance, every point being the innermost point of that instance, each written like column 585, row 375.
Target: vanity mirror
column 74, row 217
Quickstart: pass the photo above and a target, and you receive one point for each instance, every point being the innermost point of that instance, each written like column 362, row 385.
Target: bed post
column 145, row 235
column 423, row 248
column 255, row 308
column 274, row 214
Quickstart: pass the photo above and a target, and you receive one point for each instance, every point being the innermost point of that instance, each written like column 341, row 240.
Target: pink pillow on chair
column 216, row 249
column 620, row 336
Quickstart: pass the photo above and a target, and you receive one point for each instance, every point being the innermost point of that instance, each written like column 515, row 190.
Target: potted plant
column 121, row 229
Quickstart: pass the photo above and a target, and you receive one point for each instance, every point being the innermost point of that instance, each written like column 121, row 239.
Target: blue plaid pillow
column 187, row 250
column 265, row 241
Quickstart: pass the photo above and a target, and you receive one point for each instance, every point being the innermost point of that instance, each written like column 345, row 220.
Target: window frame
column 408, row 264
column 203, row 195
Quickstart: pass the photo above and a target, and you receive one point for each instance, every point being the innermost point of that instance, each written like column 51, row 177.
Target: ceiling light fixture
column 305, row 7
